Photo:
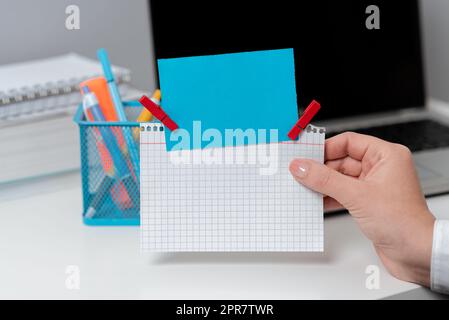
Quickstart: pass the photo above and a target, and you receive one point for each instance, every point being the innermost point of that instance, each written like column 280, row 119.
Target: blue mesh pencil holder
column 110, row 181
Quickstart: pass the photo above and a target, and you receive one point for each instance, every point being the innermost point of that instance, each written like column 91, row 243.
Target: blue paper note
column 249, row 90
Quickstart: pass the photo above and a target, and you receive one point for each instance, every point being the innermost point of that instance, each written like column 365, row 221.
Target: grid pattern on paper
column 227, row 207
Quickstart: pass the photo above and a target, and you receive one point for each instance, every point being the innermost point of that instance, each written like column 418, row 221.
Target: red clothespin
column 304, row 120
column 158, row 113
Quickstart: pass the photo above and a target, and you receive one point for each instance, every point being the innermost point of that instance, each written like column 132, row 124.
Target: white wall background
column 31, row 29
column 435, row 21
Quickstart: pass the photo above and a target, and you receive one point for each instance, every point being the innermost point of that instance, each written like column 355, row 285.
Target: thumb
column 325, row 180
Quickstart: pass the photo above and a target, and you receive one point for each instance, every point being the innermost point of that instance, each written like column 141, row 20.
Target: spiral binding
column 311, row 128
column 49, row 89
column 159, row 127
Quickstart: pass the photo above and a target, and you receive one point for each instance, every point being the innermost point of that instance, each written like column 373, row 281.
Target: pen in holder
column 110, row 180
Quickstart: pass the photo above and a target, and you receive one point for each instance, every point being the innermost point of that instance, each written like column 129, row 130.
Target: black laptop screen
column 349, row 68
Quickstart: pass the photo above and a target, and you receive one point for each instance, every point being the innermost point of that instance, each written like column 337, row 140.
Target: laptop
column 368, row 79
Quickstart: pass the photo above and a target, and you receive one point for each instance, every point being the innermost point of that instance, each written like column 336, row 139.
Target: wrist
column 419, row 250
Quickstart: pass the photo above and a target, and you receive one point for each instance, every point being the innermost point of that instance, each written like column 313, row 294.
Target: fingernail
column 301, row 168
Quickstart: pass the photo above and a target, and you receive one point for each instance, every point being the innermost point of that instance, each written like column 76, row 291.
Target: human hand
column 377, row 183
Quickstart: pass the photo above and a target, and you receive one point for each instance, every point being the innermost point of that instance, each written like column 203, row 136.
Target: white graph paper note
column 195, row 206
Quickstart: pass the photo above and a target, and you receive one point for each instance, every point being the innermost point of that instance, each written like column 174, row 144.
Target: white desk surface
column 41, row 234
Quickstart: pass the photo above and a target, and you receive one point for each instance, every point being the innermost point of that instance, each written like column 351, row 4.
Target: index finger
column 351, row 144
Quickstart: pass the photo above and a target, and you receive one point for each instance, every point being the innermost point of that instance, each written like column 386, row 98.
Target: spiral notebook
column 47, row 86
column 44, row 94
column 191, row 206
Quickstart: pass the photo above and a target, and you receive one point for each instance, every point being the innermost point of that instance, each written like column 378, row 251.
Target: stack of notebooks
column 48, row 86
column 37, row 102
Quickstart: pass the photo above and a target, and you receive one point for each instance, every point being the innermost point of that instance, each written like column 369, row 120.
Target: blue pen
column 115, row 95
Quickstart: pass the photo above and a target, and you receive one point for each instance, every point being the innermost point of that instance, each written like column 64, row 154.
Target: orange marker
column 118, row 191
column 99, row 87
